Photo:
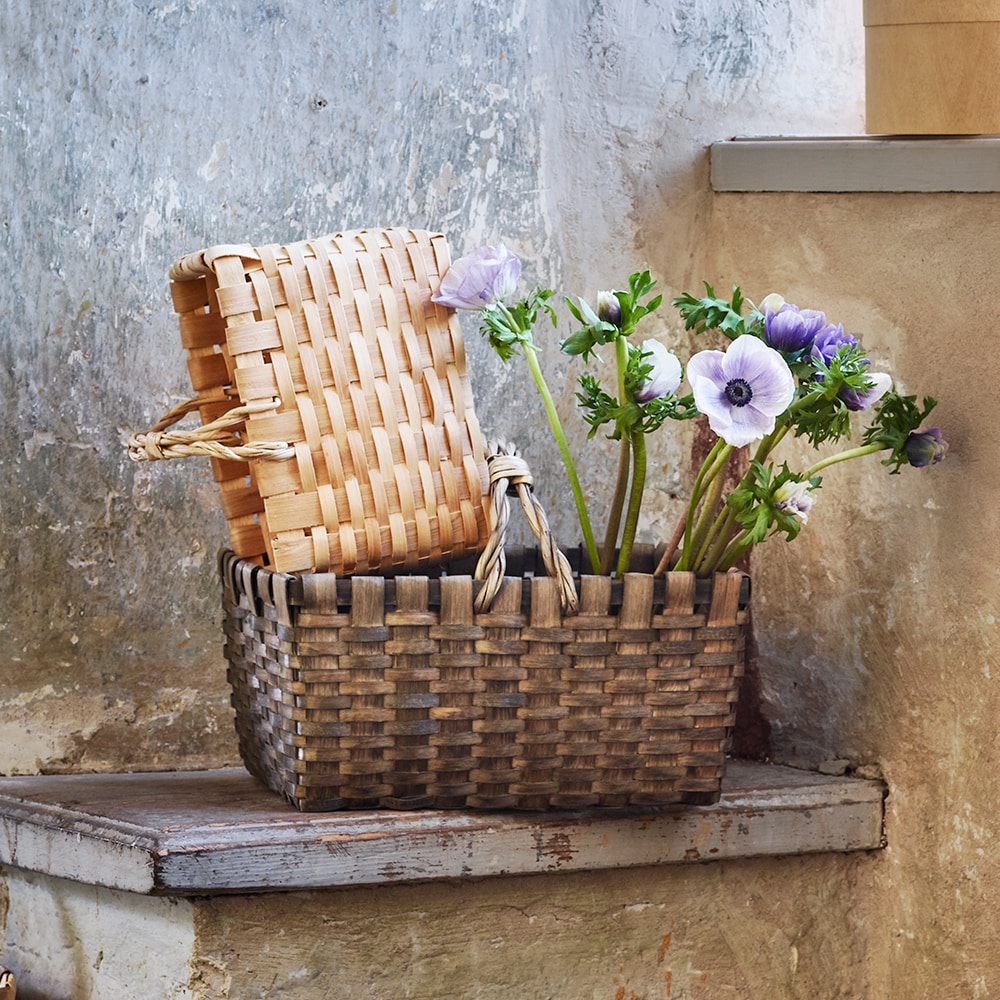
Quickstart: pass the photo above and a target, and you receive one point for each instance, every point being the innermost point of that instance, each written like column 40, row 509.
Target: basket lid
column 881, row 12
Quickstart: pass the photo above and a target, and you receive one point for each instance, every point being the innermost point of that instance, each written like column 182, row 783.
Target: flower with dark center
column 741, row 390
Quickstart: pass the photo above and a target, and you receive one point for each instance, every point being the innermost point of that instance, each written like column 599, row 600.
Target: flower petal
column 707, row 364
column 748, row 423
column 711, row 400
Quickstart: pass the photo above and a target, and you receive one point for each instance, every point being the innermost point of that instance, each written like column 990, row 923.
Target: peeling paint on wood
column 218, row 831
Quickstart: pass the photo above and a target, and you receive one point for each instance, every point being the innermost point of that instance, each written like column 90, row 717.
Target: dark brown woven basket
column 410, row 693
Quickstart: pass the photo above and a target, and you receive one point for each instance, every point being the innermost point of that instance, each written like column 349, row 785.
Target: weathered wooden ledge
column 205, row 832
column 857, row 163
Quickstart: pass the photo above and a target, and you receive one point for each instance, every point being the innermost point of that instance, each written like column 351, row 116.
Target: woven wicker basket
column 506, row 689
column 335, row 402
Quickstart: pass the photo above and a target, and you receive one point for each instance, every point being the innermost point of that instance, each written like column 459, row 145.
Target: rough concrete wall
column 878, row 638
column 715, row 932
column 575, row 131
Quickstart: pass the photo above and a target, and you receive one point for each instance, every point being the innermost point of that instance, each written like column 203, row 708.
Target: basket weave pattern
column 369, row 692
column 355, row 398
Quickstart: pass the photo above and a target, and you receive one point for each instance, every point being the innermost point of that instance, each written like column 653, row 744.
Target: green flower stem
column 708, row 520
column 634, row 500
column 715, row 543
column 531, row 355
column 617, row 506
column 843, row 456
column 714, row 462
column 624, row 464
column 736, row 549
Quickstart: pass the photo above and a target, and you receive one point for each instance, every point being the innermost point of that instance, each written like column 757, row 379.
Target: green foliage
column 597, row 331
column 897, row 417
column 508, row 327
column 756, row 507
column 712, row 313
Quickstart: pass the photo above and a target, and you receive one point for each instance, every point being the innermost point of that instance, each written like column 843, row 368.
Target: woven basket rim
column 523, row 563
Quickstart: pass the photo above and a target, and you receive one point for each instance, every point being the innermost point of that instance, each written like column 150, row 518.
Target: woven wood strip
column 397, row 693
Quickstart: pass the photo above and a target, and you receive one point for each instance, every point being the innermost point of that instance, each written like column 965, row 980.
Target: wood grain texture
column 207, row 832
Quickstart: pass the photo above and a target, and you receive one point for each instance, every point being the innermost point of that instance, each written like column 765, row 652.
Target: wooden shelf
column 857, row 163
column 205, row 832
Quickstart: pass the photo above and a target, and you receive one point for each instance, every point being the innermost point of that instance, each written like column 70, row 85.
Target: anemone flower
column 794, row 498
column 861, row 399
column 665, row 376
column 609, row 309
column 741, row 390
column 829, row 340
column 484, row 278
column 789, row 328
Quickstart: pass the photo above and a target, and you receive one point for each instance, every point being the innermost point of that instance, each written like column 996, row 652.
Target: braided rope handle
column 510, row 475
column 214, row 439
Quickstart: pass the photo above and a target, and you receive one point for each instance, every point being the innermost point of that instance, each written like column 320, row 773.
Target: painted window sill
column 857, row 163
column 204, row 832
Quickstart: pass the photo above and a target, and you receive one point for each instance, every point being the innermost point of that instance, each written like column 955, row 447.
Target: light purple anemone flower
column 789, row 328
column 861, row 399
column 795, row 499
column 481, row 279
column 741, row 390
column 665, row 376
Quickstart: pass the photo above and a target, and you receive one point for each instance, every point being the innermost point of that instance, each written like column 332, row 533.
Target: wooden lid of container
column 929, row 67
column 929, row 11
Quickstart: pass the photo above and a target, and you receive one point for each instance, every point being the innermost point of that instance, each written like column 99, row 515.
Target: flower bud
column 925, row 448
column 609, row 309
column 771, row 303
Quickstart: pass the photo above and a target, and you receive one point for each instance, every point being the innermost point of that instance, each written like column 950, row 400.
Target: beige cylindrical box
column 932, row 67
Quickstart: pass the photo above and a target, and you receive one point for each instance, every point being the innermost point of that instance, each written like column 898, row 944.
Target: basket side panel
column 211, row 368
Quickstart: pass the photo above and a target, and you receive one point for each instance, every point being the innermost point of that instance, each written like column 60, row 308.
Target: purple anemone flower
column 861, row 399
column 925, row 448
column 741, row 390
column 792, row 329
column 482, row 279
column 829, row 340
column 665, row 376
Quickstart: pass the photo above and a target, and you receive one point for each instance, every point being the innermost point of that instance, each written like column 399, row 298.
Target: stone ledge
column 205, row 832
column 857, row 163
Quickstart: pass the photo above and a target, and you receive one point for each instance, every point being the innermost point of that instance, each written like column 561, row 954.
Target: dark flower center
column 738, row 391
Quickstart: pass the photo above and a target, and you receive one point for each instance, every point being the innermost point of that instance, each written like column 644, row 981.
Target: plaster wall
column 576, row 132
